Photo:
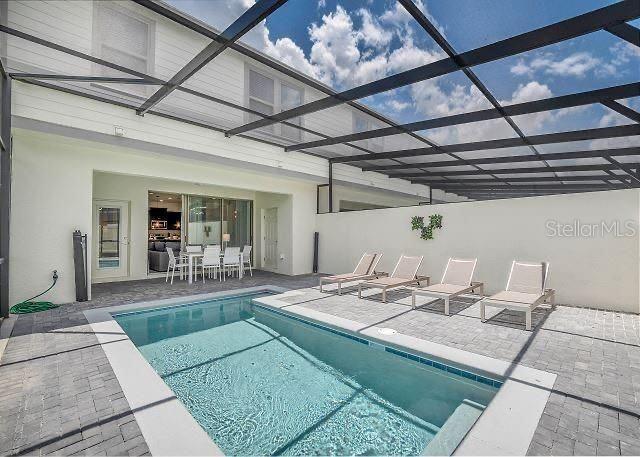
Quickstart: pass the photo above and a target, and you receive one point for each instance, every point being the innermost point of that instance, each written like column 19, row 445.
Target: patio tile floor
column 59, row 395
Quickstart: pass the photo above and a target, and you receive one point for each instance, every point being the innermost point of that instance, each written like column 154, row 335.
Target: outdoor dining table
column 195, row 255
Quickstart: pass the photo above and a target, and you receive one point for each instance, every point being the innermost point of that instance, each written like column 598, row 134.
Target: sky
column 346, row 43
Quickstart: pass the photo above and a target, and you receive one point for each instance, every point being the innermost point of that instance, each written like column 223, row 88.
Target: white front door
column 110, row 239
column 270, row 258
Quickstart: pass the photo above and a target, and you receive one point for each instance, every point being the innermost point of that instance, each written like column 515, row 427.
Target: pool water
column 262, row 383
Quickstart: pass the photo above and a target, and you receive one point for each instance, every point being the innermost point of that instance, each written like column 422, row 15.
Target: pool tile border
column 406, row 355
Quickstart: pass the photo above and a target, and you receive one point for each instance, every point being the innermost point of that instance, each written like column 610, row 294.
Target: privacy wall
column 590, row 240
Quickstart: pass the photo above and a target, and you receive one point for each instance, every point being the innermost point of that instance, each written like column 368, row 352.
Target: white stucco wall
column 598, row 271
column 53, row 178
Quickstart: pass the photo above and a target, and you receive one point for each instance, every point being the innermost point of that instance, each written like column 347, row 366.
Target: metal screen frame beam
column 514, row 171
column 523, row 187
column 102, row 79
column 248, row 20
column 546, row 138
column 517, row 109
column 560, row 31
column 585, row 154
column 450, row 51
column 204, row 29
column 621, row 109
column 626, row 32
column 150, row 80
column 557, row 179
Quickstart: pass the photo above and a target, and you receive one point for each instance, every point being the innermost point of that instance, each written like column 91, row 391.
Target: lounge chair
column 525, row 290
column 365, row 269
column 404, row 274
column 455, row 281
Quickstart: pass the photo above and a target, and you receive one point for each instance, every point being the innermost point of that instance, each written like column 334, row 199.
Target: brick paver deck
column 58, row 393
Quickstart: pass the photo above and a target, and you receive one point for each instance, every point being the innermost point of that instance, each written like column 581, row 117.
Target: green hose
column 29, row 306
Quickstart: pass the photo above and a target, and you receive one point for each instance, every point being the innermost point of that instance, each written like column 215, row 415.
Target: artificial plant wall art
column 426, row 231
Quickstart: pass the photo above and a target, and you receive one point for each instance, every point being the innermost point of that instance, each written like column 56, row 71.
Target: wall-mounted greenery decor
column 426, row 231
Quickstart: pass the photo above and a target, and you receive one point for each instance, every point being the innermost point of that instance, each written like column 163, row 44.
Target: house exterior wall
column 600, row 271
column 54, row 189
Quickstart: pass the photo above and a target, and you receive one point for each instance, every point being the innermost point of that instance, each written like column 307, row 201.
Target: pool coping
column 505, row 428
column 507, row 425
column 166, row 425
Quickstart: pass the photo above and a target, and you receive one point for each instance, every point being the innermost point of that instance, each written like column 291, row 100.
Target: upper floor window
column 364, row 123
column 124, row 38
column 269, row 95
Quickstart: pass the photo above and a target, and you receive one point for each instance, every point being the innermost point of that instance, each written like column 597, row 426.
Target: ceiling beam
column 204, row 29
column 588, row 154
column 517, row 109
column 150, row 80
column 249, row 19
column 621, row 109
column 548, row 138
column 103, row 79
column 635, row 177
column 523, row 187
column 435, row 181
column 434, row 33
column 626, row 32
column 544, row 36
column 510, row 171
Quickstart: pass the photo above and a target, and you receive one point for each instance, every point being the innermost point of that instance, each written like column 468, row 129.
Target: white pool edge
column 505, row 428
column 166, row 425
column 507, row 425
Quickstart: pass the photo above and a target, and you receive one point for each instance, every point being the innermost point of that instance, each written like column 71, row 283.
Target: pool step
column 454, row 429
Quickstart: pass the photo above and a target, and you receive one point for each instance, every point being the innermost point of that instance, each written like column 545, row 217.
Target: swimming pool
column 261, row 382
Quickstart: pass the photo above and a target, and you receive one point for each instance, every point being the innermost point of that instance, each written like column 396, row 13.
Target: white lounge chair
column 365, row 269
column 456, row 280
column 404, row 274
column 526, row 290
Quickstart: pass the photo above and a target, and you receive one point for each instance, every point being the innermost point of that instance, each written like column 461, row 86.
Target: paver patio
column 59, row 394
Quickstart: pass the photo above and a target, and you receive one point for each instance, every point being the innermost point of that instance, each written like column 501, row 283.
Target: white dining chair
column 211, row 262
column 231, row 260
column 173, row 264
column 193, row 249
column 246, row 258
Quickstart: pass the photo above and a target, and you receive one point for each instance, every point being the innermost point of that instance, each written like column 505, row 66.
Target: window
column 364, row 123
column 124, row 38
column 290, row 97
column 261, row 97
column 269, row 95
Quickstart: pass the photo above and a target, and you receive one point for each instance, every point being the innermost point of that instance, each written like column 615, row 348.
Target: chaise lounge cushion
column 444, row 288
column 515, row 297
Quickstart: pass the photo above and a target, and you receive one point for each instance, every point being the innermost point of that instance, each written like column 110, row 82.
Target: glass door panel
column 110, row 239
column 237, row 222
column 204, row 225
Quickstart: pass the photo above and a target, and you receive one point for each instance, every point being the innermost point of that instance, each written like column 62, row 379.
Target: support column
column 5, row 189
column 330, row 186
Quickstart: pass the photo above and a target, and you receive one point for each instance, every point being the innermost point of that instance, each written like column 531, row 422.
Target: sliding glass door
column 204, row 220
column 209, row 218
column 237, row 221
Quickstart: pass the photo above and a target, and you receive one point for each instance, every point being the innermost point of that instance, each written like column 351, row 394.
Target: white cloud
column 372, row 33
column 577, row 64
column 397, row 105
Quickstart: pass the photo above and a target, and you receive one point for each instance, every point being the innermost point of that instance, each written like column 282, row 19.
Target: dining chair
column 211, row 262
column 173, row 264
column 231, row 260
column 246, row 258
